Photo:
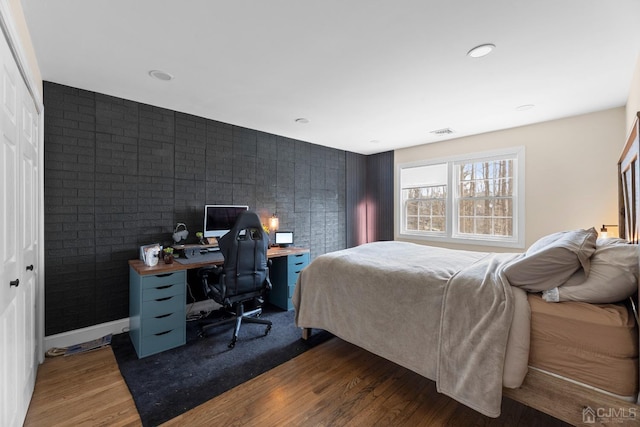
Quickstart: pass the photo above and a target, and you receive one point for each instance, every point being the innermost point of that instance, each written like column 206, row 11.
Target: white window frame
column 451, row 235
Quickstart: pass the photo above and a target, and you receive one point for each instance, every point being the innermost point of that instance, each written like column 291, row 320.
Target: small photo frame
column 144, row 250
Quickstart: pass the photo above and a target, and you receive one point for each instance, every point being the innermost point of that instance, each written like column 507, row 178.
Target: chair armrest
column 212, row 279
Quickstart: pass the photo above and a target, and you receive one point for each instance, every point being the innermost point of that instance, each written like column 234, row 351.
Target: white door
column 28, row 234
column 18, row 241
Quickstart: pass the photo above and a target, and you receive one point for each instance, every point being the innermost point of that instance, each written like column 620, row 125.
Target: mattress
column 594, row 344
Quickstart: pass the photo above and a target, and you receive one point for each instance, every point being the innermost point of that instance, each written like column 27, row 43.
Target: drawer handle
column 164, row 287
column 299, row 263
column 298, row 272
column 163, row 333
column 163, row 315
column 164, row 299
column 164, row 275
column 299, row 255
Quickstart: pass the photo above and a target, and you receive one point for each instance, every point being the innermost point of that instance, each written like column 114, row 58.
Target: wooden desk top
column 161, row 267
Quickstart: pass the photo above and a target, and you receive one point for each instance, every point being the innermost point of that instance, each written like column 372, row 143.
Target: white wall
column 571, row 170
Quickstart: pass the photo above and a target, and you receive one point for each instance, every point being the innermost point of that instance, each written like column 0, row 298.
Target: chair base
column 239, row 316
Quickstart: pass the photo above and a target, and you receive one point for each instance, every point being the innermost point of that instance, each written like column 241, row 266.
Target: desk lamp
column 604, row 231
column 274, row 223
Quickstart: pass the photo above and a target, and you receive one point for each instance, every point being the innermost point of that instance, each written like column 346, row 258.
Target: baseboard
column 79, row 336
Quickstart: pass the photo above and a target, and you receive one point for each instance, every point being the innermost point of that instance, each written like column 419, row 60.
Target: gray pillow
column 551, row 260
column 613, row 276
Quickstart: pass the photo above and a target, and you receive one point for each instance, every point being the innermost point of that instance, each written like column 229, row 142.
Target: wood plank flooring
column 338, row 384
column 82, row 390
column 333, row 384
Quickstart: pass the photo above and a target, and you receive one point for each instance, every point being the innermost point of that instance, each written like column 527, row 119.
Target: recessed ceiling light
column 161, row 75
column 482, row 50
column 524, row 107
column 374, row 141
column 302, row 120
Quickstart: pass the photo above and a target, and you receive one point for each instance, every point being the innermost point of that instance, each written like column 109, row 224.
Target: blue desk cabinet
column 283, row 274
column 157, row 304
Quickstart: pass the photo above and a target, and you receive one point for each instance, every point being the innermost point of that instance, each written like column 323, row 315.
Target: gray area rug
column 170, row 383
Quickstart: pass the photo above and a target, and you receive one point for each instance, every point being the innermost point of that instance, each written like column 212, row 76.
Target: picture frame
column 144, row 249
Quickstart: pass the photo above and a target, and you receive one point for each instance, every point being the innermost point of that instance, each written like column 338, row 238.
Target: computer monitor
column 284, row 238
column 219, row 219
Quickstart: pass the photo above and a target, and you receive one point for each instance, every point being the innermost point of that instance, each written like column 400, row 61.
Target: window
column 424, row 193
column 477, row 199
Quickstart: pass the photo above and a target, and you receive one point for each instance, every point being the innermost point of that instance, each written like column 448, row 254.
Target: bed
column 483, row 325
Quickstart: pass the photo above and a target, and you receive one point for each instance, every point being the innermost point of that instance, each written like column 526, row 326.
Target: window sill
column 464, row 241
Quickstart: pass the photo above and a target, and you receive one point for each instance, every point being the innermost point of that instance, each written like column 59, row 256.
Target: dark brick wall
column 120, row 174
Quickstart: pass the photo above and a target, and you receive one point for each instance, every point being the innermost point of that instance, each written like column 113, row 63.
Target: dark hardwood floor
column 333, row 384
column 339, row 384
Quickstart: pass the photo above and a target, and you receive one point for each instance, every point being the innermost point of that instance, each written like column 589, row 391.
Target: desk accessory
column 167, row 255
column 180, row 235
column 149, row 254
column 193, row 251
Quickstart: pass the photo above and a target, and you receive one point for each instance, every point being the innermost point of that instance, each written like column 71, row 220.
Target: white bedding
column 398, row 299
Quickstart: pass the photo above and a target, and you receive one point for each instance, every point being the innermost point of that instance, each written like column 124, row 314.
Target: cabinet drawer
column 162, row 341
column 292, row 276
column 284, row 275
column 298, row 260
column 162, row 323
column 153, row 281
column 162, row 291
column 166, row 305
column 295, row 264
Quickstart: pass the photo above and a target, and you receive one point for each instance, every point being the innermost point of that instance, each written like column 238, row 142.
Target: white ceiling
column 370, row 76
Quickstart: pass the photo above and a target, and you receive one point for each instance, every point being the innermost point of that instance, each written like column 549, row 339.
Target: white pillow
column 551, row 260
column 613, row 276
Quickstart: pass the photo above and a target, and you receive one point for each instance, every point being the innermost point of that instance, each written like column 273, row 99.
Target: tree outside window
column 485, row 198
column 477, row 199
column 426, row 208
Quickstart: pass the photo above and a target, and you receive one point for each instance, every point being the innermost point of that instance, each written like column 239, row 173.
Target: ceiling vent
column 445, row 131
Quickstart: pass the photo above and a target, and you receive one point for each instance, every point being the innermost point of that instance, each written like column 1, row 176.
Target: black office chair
column 244, row 277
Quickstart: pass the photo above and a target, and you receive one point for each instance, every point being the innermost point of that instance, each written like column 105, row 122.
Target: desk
column 157, row 296
column 162, row 268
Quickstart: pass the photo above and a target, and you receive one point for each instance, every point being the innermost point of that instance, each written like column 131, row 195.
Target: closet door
column 18, row 241
column 28, row 244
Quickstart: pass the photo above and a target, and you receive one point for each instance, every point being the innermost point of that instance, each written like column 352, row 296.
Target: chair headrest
column 247, row 219
column 244, row 221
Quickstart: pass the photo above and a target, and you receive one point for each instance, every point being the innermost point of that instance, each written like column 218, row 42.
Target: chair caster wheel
column 266, row 332
column 232, row 344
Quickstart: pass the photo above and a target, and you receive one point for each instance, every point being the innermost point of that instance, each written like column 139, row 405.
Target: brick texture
column 120, row 174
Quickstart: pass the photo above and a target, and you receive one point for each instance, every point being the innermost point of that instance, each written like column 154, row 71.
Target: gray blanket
column 442, row 313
